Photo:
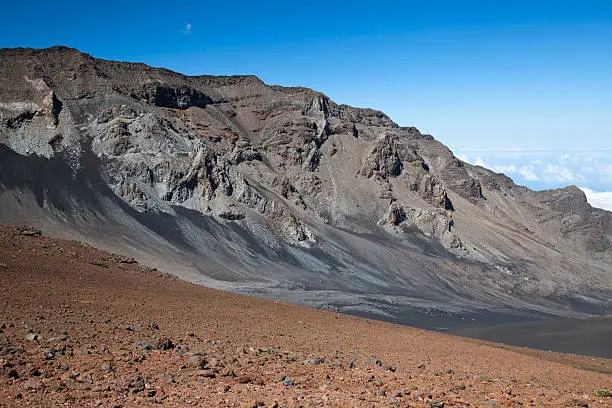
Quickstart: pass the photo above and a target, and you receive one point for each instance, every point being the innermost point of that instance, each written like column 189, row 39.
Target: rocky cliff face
column 241, row 185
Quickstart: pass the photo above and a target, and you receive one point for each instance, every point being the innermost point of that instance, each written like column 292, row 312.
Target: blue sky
column 521, row 86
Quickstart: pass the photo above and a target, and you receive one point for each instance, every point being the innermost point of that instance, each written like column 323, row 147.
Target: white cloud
column 606, row 173
column 598, row 199
column 559, row 173
column 541, row 168
column 187, row 29
column 529, row 172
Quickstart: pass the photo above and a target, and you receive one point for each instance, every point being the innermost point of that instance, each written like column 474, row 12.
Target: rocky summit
column 282, row 193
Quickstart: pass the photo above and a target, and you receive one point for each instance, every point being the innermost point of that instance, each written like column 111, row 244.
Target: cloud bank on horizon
column 539, row 169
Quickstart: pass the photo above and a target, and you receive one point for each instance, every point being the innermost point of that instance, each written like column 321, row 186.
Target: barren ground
column 81, row 327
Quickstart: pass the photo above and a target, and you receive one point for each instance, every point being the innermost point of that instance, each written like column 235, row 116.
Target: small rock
column 164, row 343
column 30, row 232
column 137, row 385
column 244, row 379
column 35, row 373
column 13, row 374
column 33, row 385
column 207, row 373
column 578, row 402
column 436, row 404
column 227, row 372
column 382, row 393
column 313, row 361
column 288, row 381
column 107, row 366
column 143, row 345
column 31, row 336
column 181, row 348
column 489, row 403
column 252, row 404
column 196, row 361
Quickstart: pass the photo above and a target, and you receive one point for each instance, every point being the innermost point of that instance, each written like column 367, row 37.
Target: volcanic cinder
column 80, row 327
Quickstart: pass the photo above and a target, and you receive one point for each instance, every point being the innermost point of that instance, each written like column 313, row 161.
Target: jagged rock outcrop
column 433, row 222
column 383, row 161
column 282, row 188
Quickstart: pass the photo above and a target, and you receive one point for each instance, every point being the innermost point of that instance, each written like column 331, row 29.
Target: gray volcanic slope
column 280, row 192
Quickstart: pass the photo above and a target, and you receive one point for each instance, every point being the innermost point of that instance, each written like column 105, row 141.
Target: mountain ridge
column 325, row 204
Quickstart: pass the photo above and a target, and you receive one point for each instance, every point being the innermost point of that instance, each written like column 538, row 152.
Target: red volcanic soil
column 81, row 327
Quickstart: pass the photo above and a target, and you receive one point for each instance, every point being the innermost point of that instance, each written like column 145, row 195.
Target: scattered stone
column 31, row 336
column 227, row 372
column 313, row 360
column 33, row 385
column 252, row 404
column 207, row 373
column 35, row 373
column 244, row 379
column 143, row 345
column 287, row 381
column 436, row 404
column 137, row 385
column 107, row 366
column 30, row 232
column 489, row 403
column 196, row 361
column 165, row 343
column 382, row 393
column 181, row 348
column 603, row 393
column 578, row 402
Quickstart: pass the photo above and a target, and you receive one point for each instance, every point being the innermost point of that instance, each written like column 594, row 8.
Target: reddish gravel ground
column 80, row 327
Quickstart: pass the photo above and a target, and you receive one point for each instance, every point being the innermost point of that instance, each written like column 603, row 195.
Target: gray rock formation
column 281, row 192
